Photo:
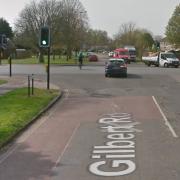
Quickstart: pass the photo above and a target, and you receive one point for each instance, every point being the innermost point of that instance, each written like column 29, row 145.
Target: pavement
column 15, row 82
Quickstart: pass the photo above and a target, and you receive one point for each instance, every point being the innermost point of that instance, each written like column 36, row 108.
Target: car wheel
column 125, row 75
column 176, row 66
column 157, row 65
column 166, row 65
column 107, row 75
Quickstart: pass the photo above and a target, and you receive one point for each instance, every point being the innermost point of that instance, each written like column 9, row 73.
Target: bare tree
column 73, row 25
column 33, row 17
column 96, row 38
column 125, row 36
column 67, row 20
column 128, row 34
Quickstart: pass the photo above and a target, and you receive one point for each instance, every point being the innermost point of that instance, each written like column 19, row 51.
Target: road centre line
column 167, row 123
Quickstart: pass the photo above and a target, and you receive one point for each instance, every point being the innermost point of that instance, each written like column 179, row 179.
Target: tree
column 34, row 16
column 144, row 41
column 130, row 35
column 97, row 38
column 5, row 28
column 73, row 25
column 148, row 40
column 126, row 35
column 64, row 18
column 173, row 27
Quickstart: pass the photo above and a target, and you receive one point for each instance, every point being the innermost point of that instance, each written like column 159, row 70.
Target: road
column 102, row 128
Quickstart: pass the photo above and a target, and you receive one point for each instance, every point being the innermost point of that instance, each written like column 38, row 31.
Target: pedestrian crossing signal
column 45, row 37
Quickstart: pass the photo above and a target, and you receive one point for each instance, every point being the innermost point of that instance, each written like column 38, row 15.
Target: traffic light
column 3, row 39
column 157, row 44
column 45, row 37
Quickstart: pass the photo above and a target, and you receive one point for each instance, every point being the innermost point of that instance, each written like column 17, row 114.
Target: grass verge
column 2, row 81
column 17, row 110
column 34, row 60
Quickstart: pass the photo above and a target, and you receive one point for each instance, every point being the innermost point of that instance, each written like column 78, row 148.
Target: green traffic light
column 45, row 37
column 44, row 42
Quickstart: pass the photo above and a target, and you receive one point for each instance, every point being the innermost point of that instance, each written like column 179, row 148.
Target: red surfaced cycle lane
column 93, row 139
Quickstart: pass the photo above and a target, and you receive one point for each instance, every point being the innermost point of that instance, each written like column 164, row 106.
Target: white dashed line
column 167, row 123
column 65, row 148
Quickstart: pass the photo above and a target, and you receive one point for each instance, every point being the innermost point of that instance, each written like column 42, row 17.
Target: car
column 93, row 58
column 110, row 54
column 89, row 53
column 116, row 67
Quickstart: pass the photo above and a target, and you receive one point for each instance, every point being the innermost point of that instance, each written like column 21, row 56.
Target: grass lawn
column 34, row 60
column 2, row 81
column 17, row 110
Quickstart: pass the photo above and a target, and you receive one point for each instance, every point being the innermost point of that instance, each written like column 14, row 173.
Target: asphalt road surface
column 102, row 128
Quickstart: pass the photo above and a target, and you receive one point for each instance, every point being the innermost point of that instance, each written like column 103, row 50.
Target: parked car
column 116, row 67
column 93, row 58
column 110, row 54
column 89, row 53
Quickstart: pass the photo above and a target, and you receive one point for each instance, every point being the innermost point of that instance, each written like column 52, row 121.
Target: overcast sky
column 108, row 15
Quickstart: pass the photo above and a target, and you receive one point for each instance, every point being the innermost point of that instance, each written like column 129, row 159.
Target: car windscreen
column 123, row 53
column 170, row 55
column 132, row 52
column 116, row 62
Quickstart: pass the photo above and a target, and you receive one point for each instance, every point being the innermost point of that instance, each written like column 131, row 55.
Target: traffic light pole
column 48, row 69
column 0, row 56
column 44, row 42
column 10, row 66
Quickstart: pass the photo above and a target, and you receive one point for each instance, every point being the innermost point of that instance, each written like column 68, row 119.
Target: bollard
column 32, row 84
column 46, row 68
column 10, row 65
column 28, row 85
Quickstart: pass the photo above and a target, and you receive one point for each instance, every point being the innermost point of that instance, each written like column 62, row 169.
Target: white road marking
column 118, row 150
column 113, row 151
column 65, row 148
column 19, row 141
column 167, row 123
column 114, row 107
column 45, row 118
column 7, row 154
column 113, row 156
